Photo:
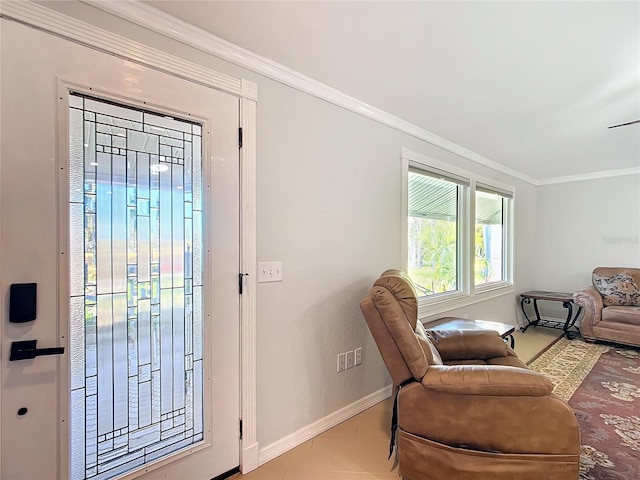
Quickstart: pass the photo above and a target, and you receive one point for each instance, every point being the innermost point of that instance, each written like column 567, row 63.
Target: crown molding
column 77, row 31
column 148, row 17
column 589, row 176
column 169, row 26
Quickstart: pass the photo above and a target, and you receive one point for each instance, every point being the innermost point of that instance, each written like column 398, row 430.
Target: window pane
column 489, row 235
column 433, row 227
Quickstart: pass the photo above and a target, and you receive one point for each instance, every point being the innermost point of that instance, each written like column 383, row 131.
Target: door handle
column 27, row 349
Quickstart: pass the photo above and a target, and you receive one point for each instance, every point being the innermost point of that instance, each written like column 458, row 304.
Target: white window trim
column 468, row 293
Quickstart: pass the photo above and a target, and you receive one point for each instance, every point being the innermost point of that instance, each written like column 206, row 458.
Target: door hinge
column 240, row 429
column 240, row 137
column 241, row 282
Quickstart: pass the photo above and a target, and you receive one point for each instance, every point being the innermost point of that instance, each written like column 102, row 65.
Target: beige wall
column 329, row 207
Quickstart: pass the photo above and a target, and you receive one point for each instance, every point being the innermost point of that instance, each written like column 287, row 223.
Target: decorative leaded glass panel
column 135, row 221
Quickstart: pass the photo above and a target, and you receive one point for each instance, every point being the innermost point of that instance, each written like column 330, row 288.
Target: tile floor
column 357, row 449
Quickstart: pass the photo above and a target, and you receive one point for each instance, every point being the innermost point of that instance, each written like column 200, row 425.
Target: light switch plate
column 341, row 362
column 349, row 359
column 358, row 356
column 269, row 272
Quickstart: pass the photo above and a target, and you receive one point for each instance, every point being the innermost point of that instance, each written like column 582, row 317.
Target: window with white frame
column 458, row 230
column 490, row 244
column 434, row 229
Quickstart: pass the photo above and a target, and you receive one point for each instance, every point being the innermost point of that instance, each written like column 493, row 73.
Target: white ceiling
column 531, row 85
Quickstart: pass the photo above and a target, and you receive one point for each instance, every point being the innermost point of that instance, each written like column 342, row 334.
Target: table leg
column 535, row 307
column 508, row 339
column 524, row 312
column 571, row 320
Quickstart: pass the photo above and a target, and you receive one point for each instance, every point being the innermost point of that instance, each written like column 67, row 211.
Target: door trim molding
column 248, row 340
column 49, row 21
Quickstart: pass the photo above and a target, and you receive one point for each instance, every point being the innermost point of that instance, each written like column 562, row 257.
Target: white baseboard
column 306, row 433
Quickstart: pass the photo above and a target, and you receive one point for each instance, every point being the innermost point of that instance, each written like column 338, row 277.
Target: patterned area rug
column 602, row 385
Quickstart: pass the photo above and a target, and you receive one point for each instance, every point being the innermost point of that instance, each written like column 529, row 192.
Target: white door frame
column 61, row 25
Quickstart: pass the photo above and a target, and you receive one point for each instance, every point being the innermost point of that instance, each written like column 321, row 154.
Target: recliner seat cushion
column 507, row 362
column 621, row 314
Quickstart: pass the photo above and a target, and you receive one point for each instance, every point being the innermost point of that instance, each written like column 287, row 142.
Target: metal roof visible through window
column 437, row 199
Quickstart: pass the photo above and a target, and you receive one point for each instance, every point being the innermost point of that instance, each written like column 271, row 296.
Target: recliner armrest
column 495, row 380
column 469, row 344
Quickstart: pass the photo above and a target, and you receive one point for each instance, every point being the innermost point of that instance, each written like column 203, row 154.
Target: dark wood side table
column 451, row 323
column 567, row 302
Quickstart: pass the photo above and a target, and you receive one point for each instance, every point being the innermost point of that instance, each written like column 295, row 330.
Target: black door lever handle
column 27, row 349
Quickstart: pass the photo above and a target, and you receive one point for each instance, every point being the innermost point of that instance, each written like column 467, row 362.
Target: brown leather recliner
column 467, row 407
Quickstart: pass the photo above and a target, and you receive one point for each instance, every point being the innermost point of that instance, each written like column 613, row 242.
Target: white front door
column 119, row 199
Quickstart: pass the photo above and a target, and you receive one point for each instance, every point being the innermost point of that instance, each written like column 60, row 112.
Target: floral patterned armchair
column 611, row 306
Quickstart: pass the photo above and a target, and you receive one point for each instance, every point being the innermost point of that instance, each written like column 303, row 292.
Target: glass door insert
column 136, row 279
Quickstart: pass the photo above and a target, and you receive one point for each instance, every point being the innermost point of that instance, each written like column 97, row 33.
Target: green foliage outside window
column 482, row 265
column 434, row 268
